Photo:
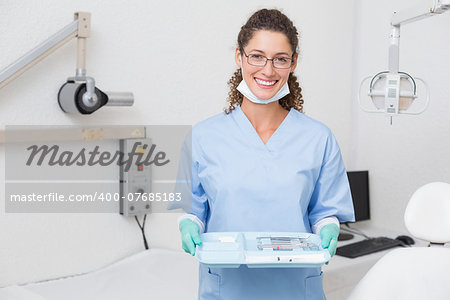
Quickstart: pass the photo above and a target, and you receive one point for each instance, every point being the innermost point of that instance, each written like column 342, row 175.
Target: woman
column 264, row 166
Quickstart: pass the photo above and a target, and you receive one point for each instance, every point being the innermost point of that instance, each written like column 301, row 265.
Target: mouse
column 406, row 240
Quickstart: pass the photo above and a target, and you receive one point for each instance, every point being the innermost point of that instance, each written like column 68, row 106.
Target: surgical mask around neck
column 245, row 90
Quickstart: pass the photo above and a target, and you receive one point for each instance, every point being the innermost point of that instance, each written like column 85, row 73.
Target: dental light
column 79, row 94
column 393, row 92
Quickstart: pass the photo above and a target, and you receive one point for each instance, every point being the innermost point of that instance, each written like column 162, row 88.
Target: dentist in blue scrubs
column 262, row 165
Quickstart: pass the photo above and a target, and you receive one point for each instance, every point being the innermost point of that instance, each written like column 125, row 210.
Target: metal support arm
column 78, row 94
column 432, row 8
column 79, row 28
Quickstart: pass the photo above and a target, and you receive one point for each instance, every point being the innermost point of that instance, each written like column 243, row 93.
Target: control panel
column 135, row 177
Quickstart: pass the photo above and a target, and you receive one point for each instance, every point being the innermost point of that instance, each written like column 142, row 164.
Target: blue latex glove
column 329, row 234
column 190, row 235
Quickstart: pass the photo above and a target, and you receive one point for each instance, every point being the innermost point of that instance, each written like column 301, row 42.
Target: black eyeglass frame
column 267, row 59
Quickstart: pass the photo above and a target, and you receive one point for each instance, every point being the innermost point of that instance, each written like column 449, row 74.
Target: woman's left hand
column 329, row 234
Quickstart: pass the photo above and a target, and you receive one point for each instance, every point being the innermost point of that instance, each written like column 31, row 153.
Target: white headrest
column 427, row 215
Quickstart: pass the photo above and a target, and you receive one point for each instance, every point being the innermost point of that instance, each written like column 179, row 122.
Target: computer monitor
column 359, row 187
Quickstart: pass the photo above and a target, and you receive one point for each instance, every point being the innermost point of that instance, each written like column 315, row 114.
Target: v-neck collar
column 245, row 124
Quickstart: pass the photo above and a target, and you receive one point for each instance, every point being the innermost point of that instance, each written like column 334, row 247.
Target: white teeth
column 259, row 81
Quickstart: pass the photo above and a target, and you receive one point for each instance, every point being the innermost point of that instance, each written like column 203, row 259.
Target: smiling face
column 266, row 81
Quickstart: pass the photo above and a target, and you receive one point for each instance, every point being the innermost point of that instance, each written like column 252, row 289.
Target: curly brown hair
column 272, row 20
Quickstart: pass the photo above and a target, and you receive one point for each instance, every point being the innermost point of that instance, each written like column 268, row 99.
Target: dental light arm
column 78, row 94
column 422, row 11
column 432, row 8
column 387, row 89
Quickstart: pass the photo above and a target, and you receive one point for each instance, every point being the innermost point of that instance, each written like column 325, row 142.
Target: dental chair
column 418, row 272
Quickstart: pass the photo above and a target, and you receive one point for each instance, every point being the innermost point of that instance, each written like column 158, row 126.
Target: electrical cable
column 142, row 229
column 354, row 231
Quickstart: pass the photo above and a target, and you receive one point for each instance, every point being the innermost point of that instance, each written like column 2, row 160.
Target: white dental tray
column 261, row 250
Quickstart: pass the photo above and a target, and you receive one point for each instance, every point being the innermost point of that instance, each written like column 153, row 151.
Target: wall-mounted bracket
column 78, row 94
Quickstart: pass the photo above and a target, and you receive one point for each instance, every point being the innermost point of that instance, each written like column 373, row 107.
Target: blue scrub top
column 288, row 184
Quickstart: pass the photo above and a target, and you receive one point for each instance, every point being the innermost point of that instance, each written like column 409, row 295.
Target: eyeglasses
column 258, row 60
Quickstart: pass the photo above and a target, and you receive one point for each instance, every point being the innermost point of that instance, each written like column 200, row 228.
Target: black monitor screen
column 359, row 186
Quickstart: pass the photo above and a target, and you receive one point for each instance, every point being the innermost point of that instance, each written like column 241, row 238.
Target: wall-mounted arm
column 84, row 31
column 432, row 8
column 79, row 28
column 78, row 94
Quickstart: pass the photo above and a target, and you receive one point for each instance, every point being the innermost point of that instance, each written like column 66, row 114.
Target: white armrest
column 411, row 273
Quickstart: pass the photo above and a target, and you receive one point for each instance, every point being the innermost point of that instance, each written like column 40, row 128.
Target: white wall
column 415, row 149
column 176, row 57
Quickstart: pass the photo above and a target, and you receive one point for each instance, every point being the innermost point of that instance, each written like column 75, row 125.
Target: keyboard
column 367, row 246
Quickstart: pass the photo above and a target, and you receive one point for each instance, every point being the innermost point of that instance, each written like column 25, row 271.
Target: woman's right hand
column 190, row 235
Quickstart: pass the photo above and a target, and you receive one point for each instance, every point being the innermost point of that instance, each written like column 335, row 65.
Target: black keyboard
column 367, row 246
